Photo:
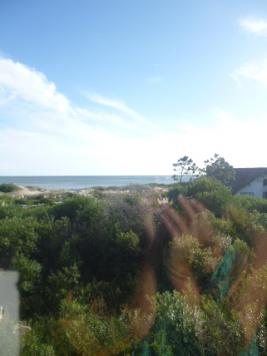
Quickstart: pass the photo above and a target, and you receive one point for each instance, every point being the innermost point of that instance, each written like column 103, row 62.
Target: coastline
column 34, row 191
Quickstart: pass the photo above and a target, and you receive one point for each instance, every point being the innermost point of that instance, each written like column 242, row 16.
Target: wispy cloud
column 112, row 103
column 120, row 106
column 229, row 135
column 254, row 25
column 43, row 132
column 251, row 71
column 257, row 70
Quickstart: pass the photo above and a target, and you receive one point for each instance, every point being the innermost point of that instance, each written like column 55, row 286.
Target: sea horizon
column 84, row 181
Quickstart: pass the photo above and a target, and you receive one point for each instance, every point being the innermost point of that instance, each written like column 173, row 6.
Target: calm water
column 78, row 182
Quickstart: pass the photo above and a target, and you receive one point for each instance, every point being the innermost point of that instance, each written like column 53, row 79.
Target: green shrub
column 211, row 193
column 8, row 187
column 250, row 203
column 175, row 328
column 220, row 332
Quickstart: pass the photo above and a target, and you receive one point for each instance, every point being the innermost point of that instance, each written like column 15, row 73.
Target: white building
column 251, row 181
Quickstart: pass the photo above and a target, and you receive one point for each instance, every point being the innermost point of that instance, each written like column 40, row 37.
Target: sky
column 117, row 87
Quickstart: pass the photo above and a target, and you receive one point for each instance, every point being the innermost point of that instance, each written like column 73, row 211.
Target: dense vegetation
column 81, row 261
column 8, row 187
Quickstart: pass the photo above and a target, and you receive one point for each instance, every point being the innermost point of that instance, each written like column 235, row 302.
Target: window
column 264, row 182
column 264, row 195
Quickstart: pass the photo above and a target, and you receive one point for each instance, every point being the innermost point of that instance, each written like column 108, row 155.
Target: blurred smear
column 9, row 314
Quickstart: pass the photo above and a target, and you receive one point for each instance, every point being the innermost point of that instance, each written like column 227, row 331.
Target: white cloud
column 56, row 137
column 253, row 25
column 113, row 103
column 119, row 106
column 252, row 71
column 42, row 132
column 5, row 96
column 239, row 140
column 30, row 85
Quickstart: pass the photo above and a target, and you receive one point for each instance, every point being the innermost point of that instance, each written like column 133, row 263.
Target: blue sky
column 127, row 87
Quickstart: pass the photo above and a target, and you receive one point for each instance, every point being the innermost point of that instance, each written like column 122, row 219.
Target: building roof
column 246, row 175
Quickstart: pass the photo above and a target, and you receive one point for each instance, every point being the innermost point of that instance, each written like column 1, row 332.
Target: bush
column 79, row 257
column 8, row 187
column 210, row 192
column 175, row 329
column 251, row 204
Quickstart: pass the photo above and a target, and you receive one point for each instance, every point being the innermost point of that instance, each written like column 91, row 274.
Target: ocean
column 80, row 182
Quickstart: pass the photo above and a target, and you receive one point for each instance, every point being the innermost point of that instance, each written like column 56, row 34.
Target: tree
column 210, row 192
column 217, row 167
column 184, row 166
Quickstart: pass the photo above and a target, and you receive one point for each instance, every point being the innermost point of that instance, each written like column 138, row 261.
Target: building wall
column 255, row 188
